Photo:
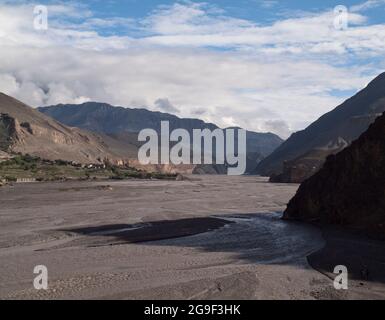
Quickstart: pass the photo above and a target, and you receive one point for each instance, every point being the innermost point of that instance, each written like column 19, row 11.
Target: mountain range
column 96, row 132
column 92, row 132
column 123, row 124
column 305, row 151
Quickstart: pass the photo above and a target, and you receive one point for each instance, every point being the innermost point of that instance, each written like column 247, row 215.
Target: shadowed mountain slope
column 349, row 189
column 337, row 128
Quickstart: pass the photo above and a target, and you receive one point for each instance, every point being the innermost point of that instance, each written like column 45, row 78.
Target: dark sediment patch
column 260, row 238
column 88, row 188
column 145, row 232
column 364, row 257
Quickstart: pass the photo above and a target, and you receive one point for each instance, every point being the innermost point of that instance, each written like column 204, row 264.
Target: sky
column 264, row 65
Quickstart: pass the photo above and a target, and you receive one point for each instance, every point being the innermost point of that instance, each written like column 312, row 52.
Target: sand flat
column 253, row 255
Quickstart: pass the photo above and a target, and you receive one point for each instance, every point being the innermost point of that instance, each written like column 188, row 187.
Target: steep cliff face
column 298, row 170
column 347, row 122
column 350, row 187
column 8, row 131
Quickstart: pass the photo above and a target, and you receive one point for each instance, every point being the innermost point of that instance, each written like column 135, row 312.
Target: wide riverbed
column 141, row 240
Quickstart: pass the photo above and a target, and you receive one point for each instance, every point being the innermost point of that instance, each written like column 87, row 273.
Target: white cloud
column 277, row 77
column 181, row 25
column 370, row 4
column 166, row 106
column 268, row 3
column 279, row 126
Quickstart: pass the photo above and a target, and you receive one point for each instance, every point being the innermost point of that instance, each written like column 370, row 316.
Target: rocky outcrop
column 347, row 122
column 298, row 170
column 302, row 168
column 8, row 131
column 350, row 187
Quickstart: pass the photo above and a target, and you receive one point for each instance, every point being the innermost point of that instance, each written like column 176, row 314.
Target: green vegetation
column 34, row 168
column 120, row 173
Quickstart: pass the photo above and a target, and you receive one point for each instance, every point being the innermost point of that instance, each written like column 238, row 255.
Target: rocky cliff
column 303, row 167
column 350, row 187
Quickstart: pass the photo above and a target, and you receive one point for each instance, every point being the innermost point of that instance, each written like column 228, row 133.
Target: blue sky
column 260, row 64
column 259, row 11
column 255, row 10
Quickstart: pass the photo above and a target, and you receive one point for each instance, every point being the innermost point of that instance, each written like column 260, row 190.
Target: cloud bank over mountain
column 192, row 58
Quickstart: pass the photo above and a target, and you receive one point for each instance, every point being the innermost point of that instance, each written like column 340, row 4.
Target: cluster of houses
column 96, row 166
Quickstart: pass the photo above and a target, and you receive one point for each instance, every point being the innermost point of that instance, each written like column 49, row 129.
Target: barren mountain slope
column 26, row 130
column 342, row 125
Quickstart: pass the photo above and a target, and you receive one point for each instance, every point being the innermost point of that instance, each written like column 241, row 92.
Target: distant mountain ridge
column 108, row 119
column 123, row 123
column 343, row 124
